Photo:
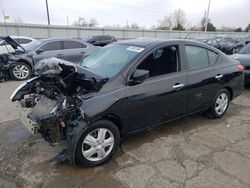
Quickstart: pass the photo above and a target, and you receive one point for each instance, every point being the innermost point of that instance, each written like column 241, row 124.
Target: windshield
column 32, row 46
column 245, row 50
column 109, row 60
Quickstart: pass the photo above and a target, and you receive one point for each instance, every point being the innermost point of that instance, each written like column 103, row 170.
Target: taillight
column 241, row 67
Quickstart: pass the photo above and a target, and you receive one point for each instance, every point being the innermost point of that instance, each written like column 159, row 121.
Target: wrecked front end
column 7, row 60
column 51, row 103
column 4, row 65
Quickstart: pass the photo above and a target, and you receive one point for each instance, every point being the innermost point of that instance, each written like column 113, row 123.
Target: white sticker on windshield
column 135, row 49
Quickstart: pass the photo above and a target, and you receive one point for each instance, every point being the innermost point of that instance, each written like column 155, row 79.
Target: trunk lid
column 12, row 42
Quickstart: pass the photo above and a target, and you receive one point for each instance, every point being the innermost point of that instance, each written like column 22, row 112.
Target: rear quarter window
column 52, row 46
column 212, row 56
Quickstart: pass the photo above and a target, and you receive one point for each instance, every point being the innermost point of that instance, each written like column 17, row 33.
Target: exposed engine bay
column 54, row 98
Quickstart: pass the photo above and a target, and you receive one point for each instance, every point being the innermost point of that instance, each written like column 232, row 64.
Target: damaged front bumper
column 52, row 128
column 42, row 118
column 47, row 117
column 51, row 104
column 23, row 115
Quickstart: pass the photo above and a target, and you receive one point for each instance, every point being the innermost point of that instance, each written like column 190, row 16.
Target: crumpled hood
column 11, row 42
column 54, row 66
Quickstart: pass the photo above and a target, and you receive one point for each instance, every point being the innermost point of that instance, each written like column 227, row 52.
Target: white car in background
column 6, row 48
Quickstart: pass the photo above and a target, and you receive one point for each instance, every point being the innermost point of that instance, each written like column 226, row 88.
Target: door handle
column 178, row 86
column 59, row 55
column 219, row 76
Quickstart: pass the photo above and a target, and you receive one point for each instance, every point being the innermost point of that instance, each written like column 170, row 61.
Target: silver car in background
column 7, row 48
column 18, row 65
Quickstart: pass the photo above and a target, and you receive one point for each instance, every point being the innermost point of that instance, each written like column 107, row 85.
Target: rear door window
column 73, row 45
column 197, row 57
column 51, row 46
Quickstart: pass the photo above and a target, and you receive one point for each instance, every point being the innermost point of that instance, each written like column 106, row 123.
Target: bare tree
column 175, row 21
column 166, row 23
column 134, row 26
column 81, row 22
column 92, row 22
column 179, row 18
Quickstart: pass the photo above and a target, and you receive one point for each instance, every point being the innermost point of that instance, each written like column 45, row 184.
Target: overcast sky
column 233, row 13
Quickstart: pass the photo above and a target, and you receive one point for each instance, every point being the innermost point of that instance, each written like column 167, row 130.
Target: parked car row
column 228, row 45
column 20, row 54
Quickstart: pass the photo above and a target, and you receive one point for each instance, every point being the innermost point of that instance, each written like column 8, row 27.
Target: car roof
column 55, row 39
column 147, row 42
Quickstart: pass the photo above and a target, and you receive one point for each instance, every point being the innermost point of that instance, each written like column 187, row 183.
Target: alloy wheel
column 98, row 144
column 221, row 103
column 21, row 72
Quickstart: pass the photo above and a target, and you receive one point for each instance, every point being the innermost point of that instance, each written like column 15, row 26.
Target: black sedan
column 123, row 88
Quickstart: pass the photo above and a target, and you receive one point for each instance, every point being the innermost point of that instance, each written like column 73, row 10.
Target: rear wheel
column 98, row 143
column 220, row 104
column 20, row 71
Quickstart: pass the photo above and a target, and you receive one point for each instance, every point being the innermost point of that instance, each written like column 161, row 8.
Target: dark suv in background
column 100, row 40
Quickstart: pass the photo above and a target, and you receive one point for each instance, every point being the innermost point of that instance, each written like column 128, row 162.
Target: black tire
column 27, row 74
column 212, row 113
column 80, row 159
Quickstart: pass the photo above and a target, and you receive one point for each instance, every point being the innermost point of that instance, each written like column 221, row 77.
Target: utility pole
column 4, row 18
column 47, row 7
column 204, row 23
column 208, row 8
column 5, row 21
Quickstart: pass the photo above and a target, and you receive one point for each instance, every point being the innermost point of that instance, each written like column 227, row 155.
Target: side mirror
column 39, row 51
column 138, row 77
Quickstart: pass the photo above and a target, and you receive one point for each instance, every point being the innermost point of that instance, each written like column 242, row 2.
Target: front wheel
column 20, row 71
column 220, row 104
column 97, row 143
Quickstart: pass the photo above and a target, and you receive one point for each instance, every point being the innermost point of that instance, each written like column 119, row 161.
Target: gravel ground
column 192, row 152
